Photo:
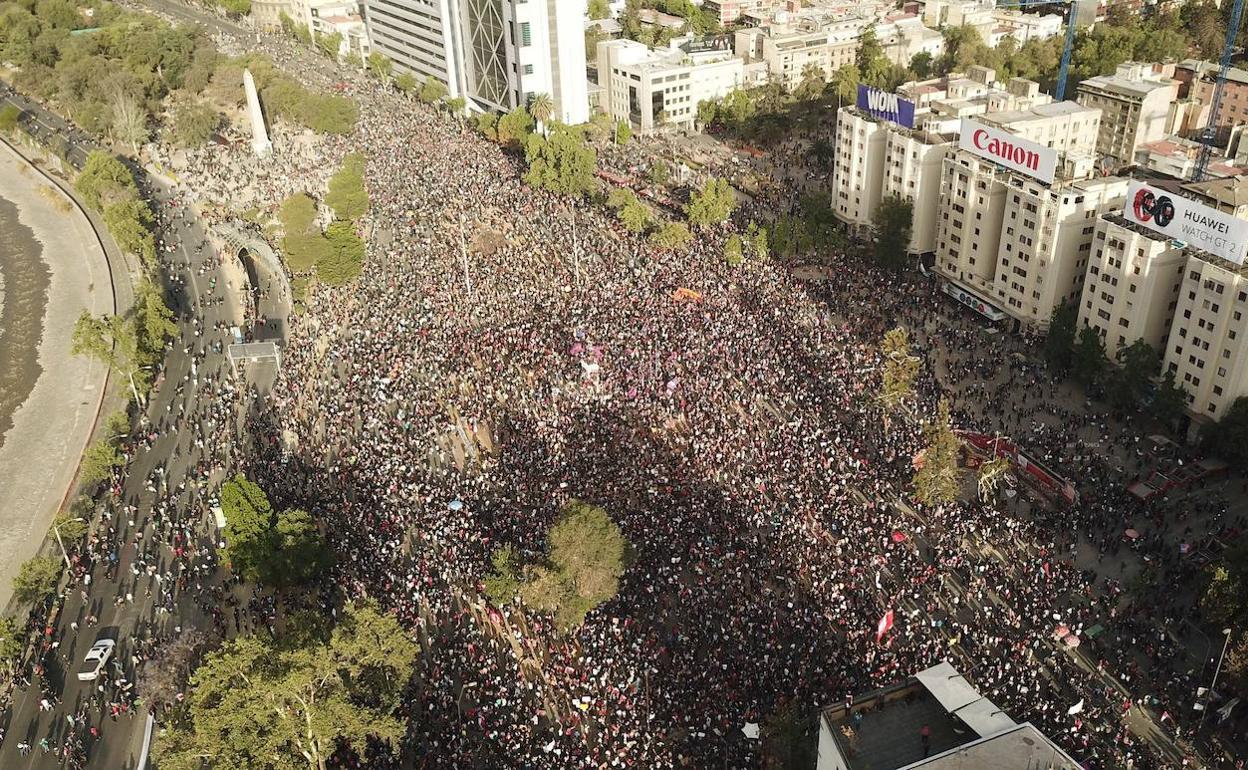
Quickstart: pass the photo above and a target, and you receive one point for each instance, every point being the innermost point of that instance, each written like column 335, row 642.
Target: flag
column 1075, row 709
column 883, row 626
column 899, row 536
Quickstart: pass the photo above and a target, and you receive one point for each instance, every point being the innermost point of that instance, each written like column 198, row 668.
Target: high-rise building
column 496, row 54
column 1135, row 107
column 1132, row 285
column 1207, row 348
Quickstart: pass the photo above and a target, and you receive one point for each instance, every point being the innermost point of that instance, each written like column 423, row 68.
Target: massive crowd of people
column 481, row 373
column 506, row 351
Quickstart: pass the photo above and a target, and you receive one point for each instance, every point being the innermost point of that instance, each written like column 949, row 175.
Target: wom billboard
column 1013, row 152
column 1183, row 220
column 885, row 106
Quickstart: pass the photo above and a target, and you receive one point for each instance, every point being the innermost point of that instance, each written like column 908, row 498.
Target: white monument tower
column 259, row 135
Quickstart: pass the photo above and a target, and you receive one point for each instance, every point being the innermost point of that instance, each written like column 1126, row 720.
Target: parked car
column 97, row 657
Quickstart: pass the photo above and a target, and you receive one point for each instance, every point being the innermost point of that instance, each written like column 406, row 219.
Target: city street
column 126, row 608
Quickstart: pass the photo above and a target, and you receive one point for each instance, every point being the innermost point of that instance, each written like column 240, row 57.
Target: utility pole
column 463, row 254
column 1213, row 685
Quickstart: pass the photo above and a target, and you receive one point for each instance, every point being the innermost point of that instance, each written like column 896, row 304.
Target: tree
column 70, row 527
column 583, row 566
column 379, row 66
column 1169, row 400
column 844, row 83
column 1225, row 598
column 939, row 477
column 873, row 65
column 712, row 204
column 900, row 369
column 502, row 584
column 991, row 472
column 788, row 739
column 672, row 236
column 734, row 253
column 893, row 219
column 456, row 105
column 113, row 341
column 599, row 9
column 36, row 578
column 194, row 123
column 922, row 64
column 1089, row 356
column 623, row 132
column 300, row 553
column 541, row 107
column 12, row 641
column 1228, row 437
column 9, row 115
column 659, row 173
column 433, row 90
column 345, row 257
column 130, row 223
column 513, row 128
column 129, row 123
column 154, row 319
column 293, row 702
column 561, row 162
column 347, row 196
column 405, row 82
column 636, row 216
column 1059, row 343
column 98, row 461
column 708, row 111
column 329, row 44
column 1130, row 382
column 249, row 520
column 104, row 180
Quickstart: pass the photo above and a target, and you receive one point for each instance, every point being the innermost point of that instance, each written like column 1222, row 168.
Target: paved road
column 118, row 744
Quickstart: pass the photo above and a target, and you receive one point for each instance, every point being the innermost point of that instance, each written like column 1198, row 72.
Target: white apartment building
column 496, row 54
column 1206, row 347
column 876, row 158
column 1023, row 26
column 651, row 88
column 787, row 49
column 1135, row 107
column 1132, row 285
column 1177, row 157
column 1018, row 243
column 904, row 38
column 267, row 14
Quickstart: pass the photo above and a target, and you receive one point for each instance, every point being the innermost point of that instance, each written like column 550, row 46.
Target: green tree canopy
column 1059, row 343
column 379, row 66
column 1088, row 357
column 562, row 162
column 36, row 578
column 939, row 477
column 1131, row 381
column 12, row 640
column 893, row 219
column 672, row 236
column 345, row 258
column 194, row 123
column 249, row 518
column 292, row 703
column 347, row 196
column 104, row 181
column 711, row 205
column 583, row 567
column 1228, row 437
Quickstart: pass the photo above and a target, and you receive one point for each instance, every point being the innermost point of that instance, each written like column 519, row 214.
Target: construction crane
column 1064, row 69
column 1209, row 136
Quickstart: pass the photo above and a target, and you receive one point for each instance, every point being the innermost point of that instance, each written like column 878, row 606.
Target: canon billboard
column 885, row 106
column 1184, row 220
column 1013, row 152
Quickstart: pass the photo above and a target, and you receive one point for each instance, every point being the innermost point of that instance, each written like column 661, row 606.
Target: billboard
column 885, row 106
column 1013, row 152
column 1185, row 220
column 707, row 43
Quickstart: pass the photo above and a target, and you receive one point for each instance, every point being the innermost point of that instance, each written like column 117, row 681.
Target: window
column 528, row 69
column 526, row 34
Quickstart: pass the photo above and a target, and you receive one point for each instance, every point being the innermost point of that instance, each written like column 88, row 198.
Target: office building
column 1132, row 285
column 1135, row 107
column 496, row 54
column 655, row 88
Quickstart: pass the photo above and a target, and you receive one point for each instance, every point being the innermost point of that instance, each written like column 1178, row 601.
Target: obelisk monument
column 259, row 135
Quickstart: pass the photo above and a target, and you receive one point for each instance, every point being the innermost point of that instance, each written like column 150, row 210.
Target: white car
column 96, row 658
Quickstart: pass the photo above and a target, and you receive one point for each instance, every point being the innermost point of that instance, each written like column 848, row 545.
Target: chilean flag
column 883, row 626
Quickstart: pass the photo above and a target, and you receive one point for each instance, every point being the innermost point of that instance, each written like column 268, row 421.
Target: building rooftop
column 1232, row 191
column 1116, row 84
column 883, row 730
column 1210, row 70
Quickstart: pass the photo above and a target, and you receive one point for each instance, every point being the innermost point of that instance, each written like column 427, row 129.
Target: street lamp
column 56, row 530
column 1213, row 685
